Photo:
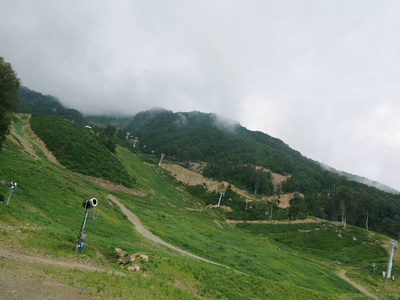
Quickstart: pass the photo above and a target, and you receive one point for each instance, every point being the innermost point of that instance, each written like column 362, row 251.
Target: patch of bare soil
column 284, row 199
column 224, row 207
column 12, row 139
column 42, row 146
column 24, row 282
column 28, row 145
column 190, row 177
column 20, row 277
column 342, row 274
column 273, row 221
column 277, row 178
column 24, row 142
column 13, row 255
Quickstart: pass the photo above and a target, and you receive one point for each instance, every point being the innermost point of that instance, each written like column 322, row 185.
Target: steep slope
column 243, row 157
column 79, row 149
column 45, row 213
column 35, row 102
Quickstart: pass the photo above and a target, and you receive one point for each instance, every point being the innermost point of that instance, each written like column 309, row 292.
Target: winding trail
column 342, row 274
column 148, row 234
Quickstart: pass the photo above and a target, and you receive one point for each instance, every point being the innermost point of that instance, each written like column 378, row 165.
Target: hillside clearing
column 191, row 177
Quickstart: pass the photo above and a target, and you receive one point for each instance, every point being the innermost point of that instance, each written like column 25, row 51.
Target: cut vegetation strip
column 273, row 221
column 149, row 235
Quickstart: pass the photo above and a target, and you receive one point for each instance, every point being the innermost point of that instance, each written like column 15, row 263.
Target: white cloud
column 320, row 75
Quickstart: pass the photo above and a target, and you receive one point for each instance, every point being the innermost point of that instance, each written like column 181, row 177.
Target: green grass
column 273, row 261
column 326, row 240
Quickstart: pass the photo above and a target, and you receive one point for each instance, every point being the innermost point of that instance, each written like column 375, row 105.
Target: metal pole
column 222, row 193
column 162, row 156
column 389, row 268
column 80, row 235
column 9, row 195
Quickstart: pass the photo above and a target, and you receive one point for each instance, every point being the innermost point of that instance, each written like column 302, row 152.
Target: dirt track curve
column 147, row 234
column 342, row 274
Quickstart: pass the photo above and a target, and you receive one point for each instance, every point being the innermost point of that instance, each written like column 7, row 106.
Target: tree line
column 234, row 153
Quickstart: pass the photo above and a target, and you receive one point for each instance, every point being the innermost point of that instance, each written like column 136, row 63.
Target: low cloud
column 319, row 75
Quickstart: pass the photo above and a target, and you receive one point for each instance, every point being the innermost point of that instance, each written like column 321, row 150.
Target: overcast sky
column 323, row 76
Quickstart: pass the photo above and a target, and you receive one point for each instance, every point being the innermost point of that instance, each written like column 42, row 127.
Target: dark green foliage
column 34, row 102
column 297, row 206
column 246, row 177
column 232, row 152
column 9, row 84
column 107, row 136
column 79, row 149
column 118, row 122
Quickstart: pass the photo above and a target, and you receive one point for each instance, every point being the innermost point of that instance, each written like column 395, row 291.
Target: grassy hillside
column 45, row 214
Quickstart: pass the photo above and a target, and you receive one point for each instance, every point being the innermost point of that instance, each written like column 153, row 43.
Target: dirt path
column 149, row 235
column 13, row 255
column 342, row 274
column 20, row 278
column 272, row 221
column 24, row 143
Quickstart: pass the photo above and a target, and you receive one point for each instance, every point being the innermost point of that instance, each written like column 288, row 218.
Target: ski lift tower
column 389, row 268
column 162, row 156
column 88, row 205
column 135, row 141
column 13, row 187
column 222, row 193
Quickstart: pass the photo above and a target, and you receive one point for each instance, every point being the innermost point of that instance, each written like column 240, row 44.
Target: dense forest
column 34, row 102
column 235, row 154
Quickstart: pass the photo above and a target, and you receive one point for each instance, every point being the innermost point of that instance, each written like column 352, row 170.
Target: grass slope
column 45, row 214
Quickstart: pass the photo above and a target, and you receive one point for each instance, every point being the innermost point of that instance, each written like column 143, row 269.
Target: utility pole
column 222, row 193
column 162, row 156
column 135, row 141
column 389, row 268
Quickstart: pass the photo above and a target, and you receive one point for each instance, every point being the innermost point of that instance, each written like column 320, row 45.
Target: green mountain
column 34, row 102
column 362, row 179
column 246, row 159
column 305, row 259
